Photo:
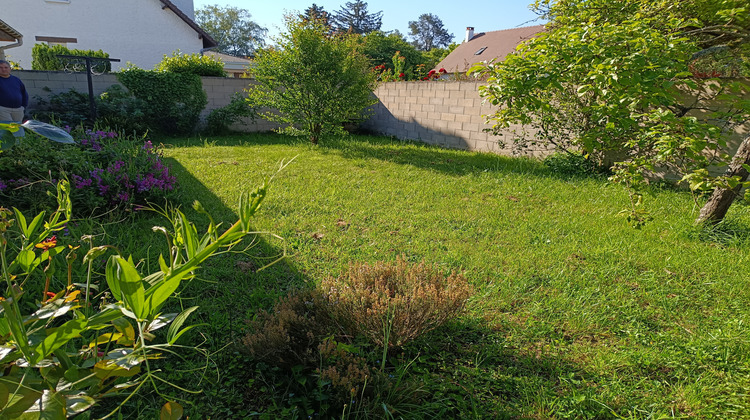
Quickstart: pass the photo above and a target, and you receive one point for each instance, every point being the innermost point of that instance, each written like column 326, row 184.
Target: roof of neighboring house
column 208, row 42
column 230, row 61
column 7, row 33
column 485, row 46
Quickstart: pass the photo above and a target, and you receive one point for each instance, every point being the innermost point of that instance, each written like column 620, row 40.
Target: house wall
column 137, row 31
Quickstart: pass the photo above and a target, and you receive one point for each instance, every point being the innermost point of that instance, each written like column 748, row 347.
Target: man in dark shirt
column 13, row 96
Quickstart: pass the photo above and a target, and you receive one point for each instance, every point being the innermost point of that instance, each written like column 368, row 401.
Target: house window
column 481, row 50
column 56, row 40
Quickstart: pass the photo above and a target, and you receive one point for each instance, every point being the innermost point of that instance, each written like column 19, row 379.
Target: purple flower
column 3, row 185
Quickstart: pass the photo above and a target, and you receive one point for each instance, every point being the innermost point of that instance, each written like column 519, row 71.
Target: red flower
column 442, row 70
column 401, row 75
column 47, row 244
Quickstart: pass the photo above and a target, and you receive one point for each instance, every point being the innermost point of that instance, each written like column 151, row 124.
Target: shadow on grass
column 730, row 232
column 472, row 371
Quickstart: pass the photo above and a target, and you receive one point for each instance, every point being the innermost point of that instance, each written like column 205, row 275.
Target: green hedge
column 202, row 65
column 43, row 57
column 174, row 100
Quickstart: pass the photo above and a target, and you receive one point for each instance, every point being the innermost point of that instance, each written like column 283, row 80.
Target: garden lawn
column 576, row 314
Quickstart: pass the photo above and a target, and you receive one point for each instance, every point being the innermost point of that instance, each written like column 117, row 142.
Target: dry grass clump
column 393, row 303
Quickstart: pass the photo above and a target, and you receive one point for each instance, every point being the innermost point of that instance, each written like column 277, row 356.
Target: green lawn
column 576, row 314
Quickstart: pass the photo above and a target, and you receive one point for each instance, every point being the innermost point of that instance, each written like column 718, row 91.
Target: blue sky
column 483, row 15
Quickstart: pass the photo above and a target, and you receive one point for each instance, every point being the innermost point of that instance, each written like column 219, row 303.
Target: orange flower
column 50, row 242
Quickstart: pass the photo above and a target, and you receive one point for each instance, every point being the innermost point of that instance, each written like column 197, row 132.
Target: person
column 13, row 96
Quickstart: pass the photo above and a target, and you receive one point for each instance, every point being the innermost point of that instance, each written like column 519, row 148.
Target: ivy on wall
column 174, row 100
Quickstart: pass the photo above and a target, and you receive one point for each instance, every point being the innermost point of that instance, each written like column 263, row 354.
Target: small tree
column 613, row 78
column 315, row 81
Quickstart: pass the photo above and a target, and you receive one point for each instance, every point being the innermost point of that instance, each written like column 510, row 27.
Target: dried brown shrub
column 394, row 303
column 289, row 334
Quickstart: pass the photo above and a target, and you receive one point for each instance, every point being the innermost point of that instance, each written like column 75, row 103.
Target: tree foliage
column 232, row 29
column 315, row 81
column 316, row 13
column 427, row 32
column 380, row 48
column 354, row 18
column 612, row 79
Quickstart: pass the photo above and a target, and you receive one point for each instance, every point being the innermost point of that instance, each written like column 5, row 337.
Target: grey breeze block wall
column 444, row 113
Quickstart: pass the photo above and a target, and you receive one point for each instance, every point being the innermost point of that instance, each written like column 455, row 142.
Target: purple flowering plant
column 107, row 170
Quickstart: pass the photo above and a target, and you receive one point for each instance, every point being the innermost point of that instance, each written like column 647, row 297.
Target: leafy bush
column 174, row 100
column 64, row 348
column 43, row 57
column 116, row 108
column 391, row 304
column 201, row 65
column 65, row 108
column 219, row 120
column 107, row 170
column 573, row 164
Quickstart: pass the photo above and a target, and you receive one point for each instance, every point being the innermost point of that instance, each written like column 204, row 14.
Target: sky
column 483, row 15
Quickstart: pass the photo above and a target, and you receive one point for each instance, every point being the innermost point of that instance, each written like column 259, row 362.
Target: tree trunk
column 716, row 207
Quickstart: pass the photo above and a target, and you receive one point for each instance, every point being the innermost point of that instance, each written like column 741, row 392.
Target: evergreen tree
column 354, row 18
column 428, row 32
column 316, row 13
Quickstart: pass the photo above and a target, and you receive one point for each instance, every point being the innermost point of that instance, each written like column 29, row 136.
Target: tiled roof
column 7, row 33
column 485, row 46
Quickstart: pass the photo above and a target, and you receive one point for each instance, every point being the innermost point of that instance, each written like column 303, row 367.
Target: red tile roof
column 485, row 46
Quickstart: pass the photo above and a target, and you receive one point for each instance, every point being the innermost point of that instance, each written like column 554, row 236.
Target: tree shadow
column 730, row 232
column 474, row 371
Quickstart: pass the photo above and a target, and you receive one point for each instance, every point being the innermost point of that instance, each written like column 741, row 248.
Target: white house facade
column 136, row 31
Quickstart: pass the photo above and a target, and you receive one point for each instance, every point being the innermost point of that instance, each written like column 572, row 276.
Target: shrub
column 118, row 109
column 174, row 100
column 66, row 108
column 307, row 347
column 43, row 57
column 219, row 120
column 201, row 65
column 573, row 164
column 391, row 304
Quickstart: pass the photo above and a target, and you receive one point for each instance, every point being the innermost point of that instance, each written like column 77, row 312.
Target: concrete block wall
column 444, row 113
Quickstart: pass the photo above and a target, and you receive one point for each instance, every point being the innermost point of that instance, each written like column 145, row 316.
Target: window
column 481, row 50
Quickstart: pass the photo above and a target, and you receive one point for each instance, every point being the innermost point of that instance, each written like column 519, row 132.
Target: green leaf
column 174, row 331
column 22, row 396
column 158, row 294
column 27, row 260
column 21, row 220
column 57, row 338
column 51, row 406
column 171, row 411
column 130, row 285
column 78, row 403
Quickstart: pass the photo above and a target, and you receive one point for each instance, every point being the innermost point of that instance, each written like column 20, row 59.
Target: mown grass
column 576, row 315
